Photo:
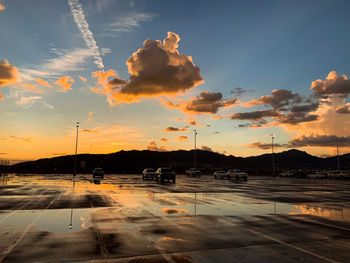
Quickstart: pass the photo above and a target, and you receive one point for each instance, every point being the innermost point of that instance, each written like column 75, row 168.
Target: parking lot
column 52, row 218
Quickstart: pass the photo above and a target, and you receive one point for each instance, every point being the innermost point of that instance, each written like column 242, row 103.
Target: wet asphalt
column 54, row 218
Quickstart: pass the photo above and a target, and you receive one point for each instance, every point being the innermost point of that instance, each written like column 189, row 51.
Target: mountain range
column 135, row 161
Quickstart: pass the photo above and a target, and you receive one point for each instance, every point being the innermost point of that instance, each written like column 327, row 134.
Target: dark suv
column 165, row 173
column 98, row 173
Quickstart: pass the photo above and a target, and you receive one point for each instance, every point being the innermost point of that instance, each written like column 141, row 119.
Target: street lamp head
column 273, row 136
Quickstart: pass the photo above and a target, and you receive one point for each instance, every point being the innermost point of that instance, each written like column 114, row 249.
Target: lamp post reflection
column 71, row 210
column 195, row 204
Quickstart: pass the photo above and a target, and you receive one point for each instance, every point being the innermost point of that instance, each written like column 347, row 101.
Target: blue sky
column 258, row 46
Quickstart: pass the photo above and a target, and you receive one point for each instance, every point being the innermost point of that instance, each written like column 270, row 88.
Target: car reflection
column 96, row 181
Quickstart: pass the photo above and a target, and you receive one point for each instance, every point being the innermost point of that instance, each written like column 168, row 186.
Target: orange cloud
column 333, row 84
column 264, row 146
column 31, row 88
column 278, row 99
column 43, row 82
column 102, row 77
column 320, row 141
column 206, row 148
column 153, row 147
column 8, row 73
column 344, row 109
column 164, row 140
column 329, row 121
column 155, row 69
column 182, row 138
column 83, row 79
column 23, row 139
column 333, row 118
column 174, row 129
column 217, row 117
column 65, row 82
column 90, row 131
column 90, row 116
column 206, row 103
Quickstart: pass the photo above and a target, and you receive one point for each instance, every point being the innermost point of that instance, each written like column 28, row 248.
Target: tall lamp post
column 195, row 148
column 338, row 155
column 76, row 149
column 273, row 155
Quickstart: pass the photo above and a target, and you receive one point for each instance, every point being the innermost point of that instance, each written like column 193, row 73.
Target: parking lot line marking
column 19, row 208
column 155, row 244
column 292, row 246
column 324, row 224
column 8, row 250
column 100, row 237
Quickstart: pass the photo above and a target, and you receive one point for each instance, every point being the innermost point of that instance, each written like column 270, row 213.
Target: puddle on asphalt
column 132, row 203
column 220, row 204
column 53, row 220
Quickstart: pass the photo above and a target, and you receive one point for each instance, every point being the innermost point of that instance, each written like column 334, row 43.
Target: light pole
column 273, row 156
column 195, row 148
column 338, row 155
column 76, row 149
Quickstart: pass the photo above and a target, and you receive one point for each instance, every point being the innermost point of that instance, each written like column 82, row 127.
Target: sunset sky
column 144, row 74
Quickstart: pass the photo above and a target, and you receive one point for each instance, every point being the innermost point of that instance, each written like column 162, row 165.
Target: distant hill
column 135, row 161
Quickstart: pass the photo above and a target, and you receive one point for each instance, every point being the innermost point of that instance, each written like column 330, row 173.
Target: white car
column 193, row 172
column 237, row 174
column 316, row 175
column 149, row 173
column 221, row 175
column 287, row 174
column 338, row 175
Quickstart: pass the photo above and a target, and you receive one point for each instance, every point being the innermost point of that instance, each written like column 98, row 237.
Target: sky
column 145, row 74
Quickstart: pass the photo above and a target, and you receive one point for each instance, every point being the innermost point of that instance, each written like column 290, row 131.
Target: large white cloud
column 155, row 69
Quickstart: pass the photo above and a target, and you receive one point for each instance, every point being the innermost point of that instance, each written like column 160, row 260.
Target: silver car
column 193, row 172
column 237, row 174
column 221, row 175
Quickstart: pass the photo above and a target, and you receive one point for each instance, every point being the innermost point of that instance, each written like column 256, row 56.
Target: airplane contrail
column 83, row 26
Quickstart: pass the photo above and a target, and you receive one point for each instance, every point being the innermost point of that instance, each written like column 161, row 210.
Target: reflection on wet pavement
column 122, row 216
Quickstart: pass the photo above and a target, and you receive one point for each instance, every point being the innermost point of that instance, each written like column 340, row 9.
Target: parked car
column 338, row 175
column 221, row 175
column 287, row 174
column 193, row 172
column 165, row 173
column 98, row 173
column 294, row 174
column 237, row 174
column 149, row 173
column 316, row 175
